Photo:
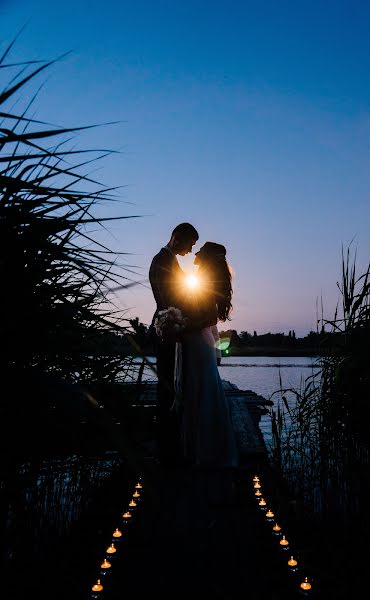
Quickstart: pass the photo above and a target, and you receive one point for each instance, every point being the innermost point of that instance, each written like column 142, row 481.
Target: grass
column 320, row 432
column 59, row 369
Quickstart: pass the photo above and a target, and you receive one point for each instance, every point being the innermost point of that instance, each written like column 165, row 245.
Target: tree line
column 244, row 342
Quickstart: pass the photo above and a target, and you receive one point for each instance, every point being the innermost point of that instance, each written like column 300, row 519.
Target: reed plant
column 317, row 429
column 66, row 348
column 61, row 333
column 56, row 278
column 320, row 431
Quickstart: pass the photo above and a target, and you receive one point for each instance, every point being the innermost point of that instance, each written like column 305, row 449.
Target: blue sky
column 251, row 120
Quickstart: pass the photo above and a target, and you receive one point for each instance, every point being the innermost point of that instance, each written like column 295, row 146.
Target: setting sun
column 192, row 281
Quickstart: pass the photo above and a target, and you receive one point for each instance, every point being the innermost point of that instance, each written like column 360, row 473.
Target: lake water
column 262, row 374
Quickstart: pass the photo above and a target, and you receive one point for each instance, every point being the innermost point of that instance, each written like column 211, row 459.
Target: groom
column 164, row 274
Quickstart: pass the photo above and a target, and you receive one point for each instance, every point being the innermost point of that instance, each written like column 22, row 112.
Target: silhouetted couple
column 198, row 429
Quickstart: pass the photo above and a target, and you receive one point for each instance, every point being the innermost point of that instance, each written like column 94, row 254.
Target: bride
column 208, row 438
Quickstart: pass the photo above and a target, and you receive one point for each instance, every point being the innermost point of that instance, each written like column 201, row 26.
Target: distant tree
column 140, row 334
column 232, row 335
column 245, row 337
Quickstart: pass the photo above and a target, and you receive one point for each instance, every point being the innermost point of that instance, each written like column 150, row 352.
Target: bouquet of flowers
column 169, row 323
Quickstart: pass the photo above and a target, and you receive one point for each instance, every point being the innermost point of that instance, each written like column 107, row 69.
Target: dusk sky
column 251, row 120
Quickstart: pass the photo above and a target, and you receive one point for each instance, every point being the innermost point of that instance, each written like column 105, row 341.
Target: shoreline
column 273, row 352
column 309, row 353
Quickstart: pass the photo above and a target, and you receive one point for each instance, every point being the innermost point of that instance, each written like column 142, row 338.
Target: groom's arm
column 160, row 277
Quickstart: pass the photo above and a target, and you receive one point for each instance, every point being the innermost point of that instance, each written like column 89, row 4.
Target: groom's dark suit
column 164, row 275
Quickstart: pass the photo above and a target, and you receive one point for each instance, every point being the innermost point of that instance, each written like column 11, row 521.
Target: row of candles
column 305, row 585
column 111, row 551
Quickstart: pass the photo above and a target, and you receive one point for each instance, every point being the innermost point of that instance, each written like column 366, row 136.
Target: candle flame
column 117, row 533
column 283, row 541
column 105, row 564
column 97, row 587
column 306, row 585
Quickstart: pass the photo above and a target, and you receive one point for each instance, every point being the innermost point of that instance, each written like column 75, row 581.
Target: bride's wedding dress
column 208, row 437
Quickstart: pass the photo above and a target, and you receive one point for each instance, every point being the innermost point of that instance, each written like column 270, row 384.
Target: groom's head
column 183, row 238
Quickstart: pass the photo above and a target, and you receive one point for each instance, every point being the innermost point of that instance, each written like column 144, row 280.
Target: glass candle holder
column 132, row 505
column 111, row 550
column 292, row 564
column 284, row 544
column 262, row 504
column 105, row 567
column 269, row 515
column 276, row 530
column 305, row 588
column 127, row 517
column 117, row 535
column 97, row 589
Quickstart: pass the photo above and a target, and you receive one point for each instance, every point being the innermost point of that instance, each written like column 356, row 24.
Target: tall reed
column 57, row 279
column 320, row 443
column 317, row 430
column 59, row 326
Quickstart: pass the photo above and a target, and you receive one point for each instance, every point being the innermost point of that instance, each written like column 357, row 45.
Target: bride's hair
column 214, row 257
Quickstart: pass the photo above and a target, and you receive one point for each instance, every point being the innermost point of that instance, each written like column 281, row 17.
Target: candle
column 276, row 529
column 262, row 503
column 105, row 565
column 305, row 585
column 292, row 564
column 269, row 514
column 257, row 485
column 132, row 505
column 138, row 486
column 284, row 542
column 258, row 493
column 97, row 589
column 126, row 517
column 117, row 533
column 136, row 494
column 111, row 549
column 255, row 478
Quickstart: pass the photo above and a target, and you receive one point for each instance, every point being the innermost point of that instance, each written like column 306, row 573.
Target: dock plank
column 247, row 431
column 246, row 407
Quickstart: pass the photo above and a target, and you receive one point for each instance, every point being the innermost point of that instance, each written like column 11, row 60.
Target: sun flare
column 192, row 281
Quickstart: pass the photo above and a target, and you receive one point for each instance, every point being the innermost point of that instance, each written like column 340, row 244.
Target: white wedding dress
column 208, row 437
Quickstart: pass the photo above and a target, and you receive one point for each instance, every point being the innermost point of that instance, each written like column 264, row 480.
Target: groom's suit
column 164, row 275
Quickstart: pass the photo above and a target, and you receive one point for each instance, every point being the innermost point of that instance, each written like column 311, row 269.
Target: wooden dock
column 246, row 408
column 208, row 539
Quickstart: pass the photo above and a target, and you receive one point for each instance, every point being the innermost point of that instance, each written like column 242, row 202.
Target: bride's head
column 211, row 260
